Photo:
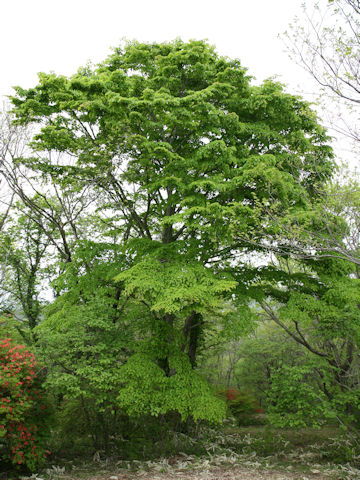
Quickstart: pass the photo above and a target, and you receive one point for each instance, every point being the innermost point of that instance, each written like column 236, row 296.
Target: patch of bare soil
column 211, row 472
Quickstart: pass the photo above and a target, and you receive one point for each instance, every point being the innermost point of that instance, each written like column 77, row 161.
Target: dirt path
column 221, row 474
column 214, row 473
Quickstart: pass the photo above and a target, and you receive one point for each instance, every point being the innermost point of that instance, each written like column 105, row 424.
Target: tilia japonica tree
column 181, row 152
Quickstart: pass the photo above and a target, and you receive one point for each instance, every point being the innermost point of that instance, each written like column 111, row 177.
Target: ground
column 230, row 453
column 212, row 473
column 232, row 473
column 203, row 469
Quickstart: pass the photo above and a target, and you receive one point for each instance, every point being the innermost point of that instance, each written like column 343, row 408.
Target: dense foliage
column 170, row 207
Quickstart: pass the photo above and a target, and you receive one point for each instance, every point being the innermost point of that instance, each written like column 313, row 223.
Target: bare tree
column 55, row 209
column 326, row 43
column 12, row 143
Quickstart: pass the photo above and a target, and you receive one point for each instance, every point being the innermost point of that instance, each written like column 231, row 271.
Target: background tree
column 318, row 309
column 316, row 304
column 326, row 44
column 24, row 245
column 260, row 357
column 12, row 144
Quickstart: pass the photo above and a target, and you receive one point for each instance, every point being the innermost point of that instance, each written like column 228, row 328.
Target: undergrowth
column 202, row 447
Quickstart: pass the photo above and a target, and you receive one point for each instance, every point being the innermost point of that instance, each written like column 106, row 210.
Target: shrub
column 21, row 406
column 243, row 406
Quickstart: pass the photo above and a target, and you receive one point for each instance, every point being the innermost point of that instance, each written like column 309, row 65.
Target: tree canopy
column 181, row 156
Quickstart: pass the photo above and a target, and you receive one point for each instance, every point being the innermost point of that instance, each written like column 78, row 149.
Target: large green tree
column 180, row 151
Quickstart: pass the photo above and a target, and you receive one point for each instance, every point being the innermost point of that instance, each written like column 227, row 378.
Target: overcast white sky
column 44, row 35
